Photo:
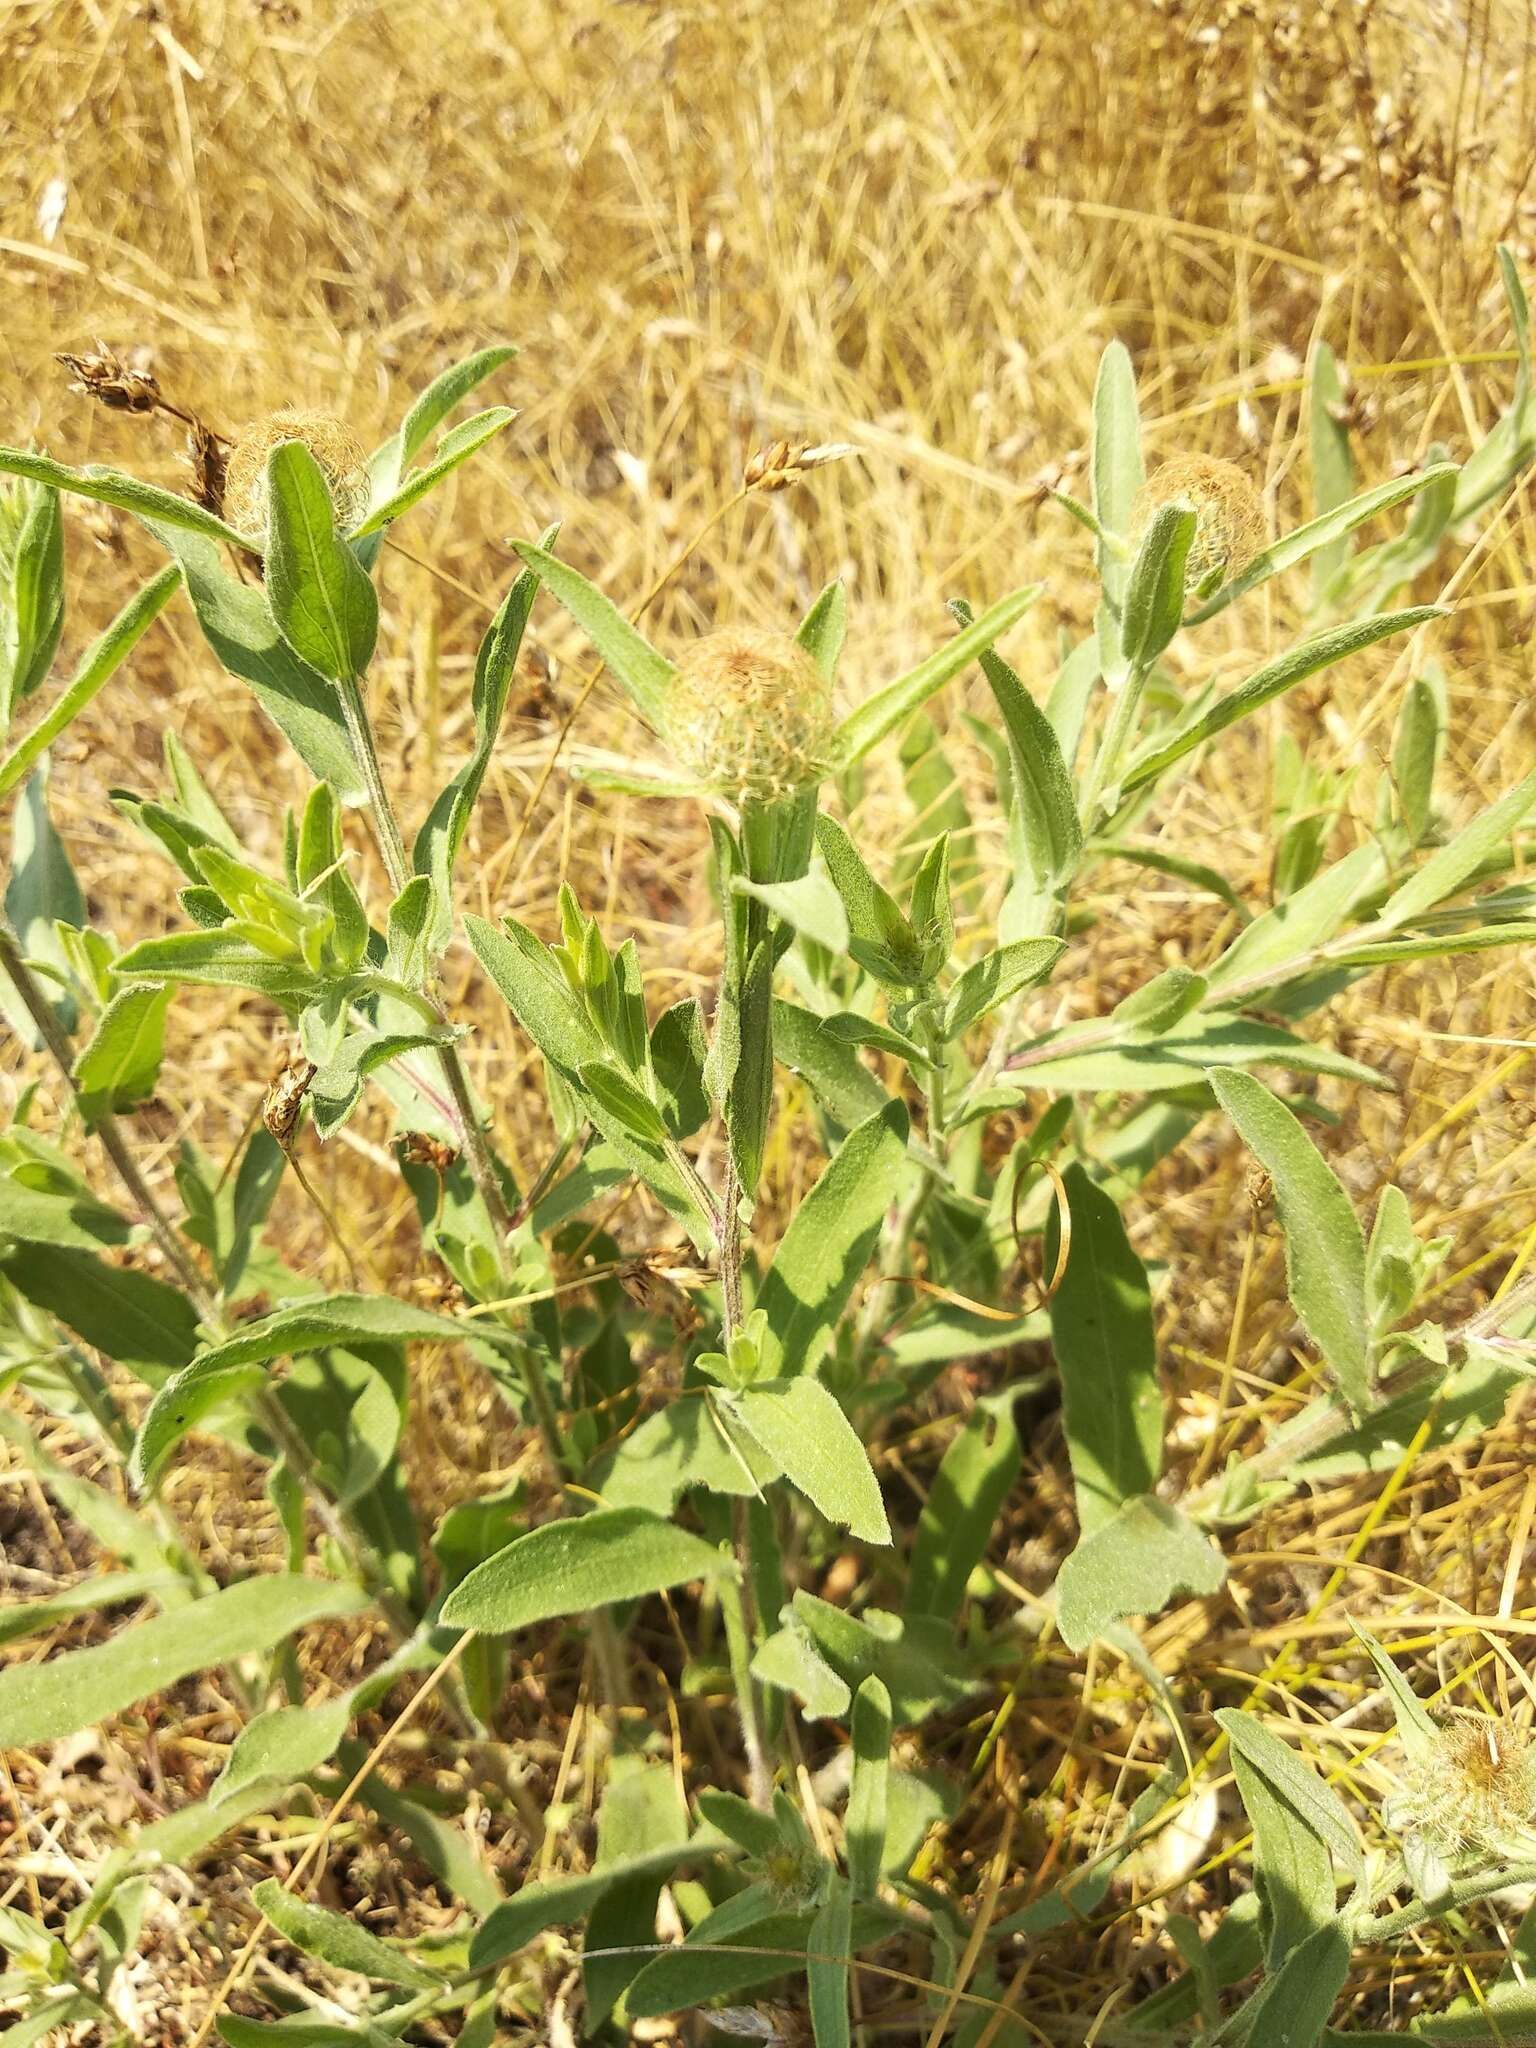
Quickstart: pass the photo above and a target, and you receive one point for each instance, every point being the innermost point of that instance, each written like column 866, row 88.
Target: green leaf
column 1324, row 1248
column 1161, row 862
column 1416, row 749
column 678, row 1052
column 1322, row 532
column 1102, row 1333
column 683, row 1445
column 1293, row 2006
column 117, row 1529
column 563, row 1902
column 879, row 937
column 869, row 1797
column 880, row 714
column 454, row 448
column 41, row 890
column 445, row 1849
column 282, row 1746
column 445, row 392
column 240, row 629
column 101, row 663
column 234, row 1367
column 1117, row 477
column 1042, row 782
column 974, row 1480
column 1280, row 939
column 1416, row 1728
column 811, row 905
column 1182, row 1057
column 529, row 978
column 1289, row 1778
column 1293, row 1866
column 110, row 487
column 32, row 610
column 1133, row 1563
column 106, row 1589
column 586, row 1561
column 789, row 1660
column 41, row 1702
column 829, row 1065
column 436, row 849
column 318, row 591
column 300, row 2030
column 635, row 664
column 121, row 1064
column 1307, row 658
column 826, row 1967
column 1452, row 865
column 337, row 1940
column 1333, row 469
column 128, row 1315
column 996, row 979
column 824, row 1252
column 800, row 1425
column 216, row 960
column 1153, row 605
column 824, row 628
column 1167, row 999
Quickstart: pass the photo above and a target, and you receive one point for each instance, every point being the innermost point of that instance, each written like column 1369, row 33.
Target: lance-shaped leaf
column 869, row 1797
column 101, row 663
column 826, row 1966
column 1282, row 938
column 1322, row 532
column 823, row 1254
column 32, row 622
column 1453, row 864
column 824, row 628
column 584, row 1561
column 1322, row 651
column 324, row 604
column 427, row 414
column 336, row 1939
column 240, row 629
column 41, row 1702
column 129, row 1316
column 453, row 449
column 1118, row 475
column 802, row 1428
column 995, row 979
column 438, row 842
column 1333, row 468
column 1102, row 1333
column 974, row 1479
column 1299, row 1824
column 880, row 714
column 110, row 487
column 235, row 1367
column 1492, row 467
column 635, row 663
column 1324, row 1247
column 40, row 891
column 1049, row 827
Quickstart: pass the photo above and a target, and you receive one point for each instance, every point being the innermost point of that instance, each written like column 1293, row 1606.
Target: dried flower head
column 1229, row 518
column 284, row 1102
column 750, row 714
column 1472, row 1790
column 104, row 376
column 340, row 455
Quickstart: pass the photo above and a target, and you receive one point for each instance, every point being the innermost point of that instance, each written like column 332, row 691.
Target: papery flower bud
column 336, row 449
column 1470, row 1791
column 750, row 715
column 1229, row 516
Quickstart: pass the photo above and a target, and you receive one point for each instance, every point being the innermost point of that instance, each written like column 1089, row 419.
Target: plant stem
column 477, row 1153
column 1122, row 723
column 738, row 1602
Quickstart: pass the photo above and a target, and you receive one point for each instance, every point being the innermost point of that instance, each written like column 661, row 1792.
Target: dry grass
column 913, row 228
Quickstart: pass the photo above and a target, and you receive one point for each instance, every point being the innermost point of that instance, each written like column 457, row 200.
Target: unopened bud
column 336, row 449
column 750, row 715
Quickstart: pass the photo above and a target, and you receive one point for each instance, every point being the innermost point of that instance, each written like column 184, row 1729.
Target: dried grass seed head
column 341, row 458
column 750, row 715
column 1229, row 515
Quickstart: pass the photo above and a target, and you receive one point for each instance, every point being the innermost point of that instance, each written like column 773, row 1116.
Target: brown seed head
column 336, row 449
column 104, row 376
column 1229, row 517
column 750, row 714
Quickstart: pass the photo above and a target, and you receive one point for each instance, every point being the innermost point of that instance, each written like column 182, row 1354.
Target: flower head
column 750, row 715
column 1470, row 1791
column 1229, row 518
column 336, row 449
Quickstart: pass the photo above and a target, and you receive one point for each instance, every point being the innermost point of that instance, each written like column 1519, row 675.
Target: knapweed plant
column 707, row 1457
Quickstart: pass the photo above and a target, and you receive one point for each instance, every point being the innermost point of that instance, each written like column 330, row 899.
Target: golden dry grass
column 913, row 228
